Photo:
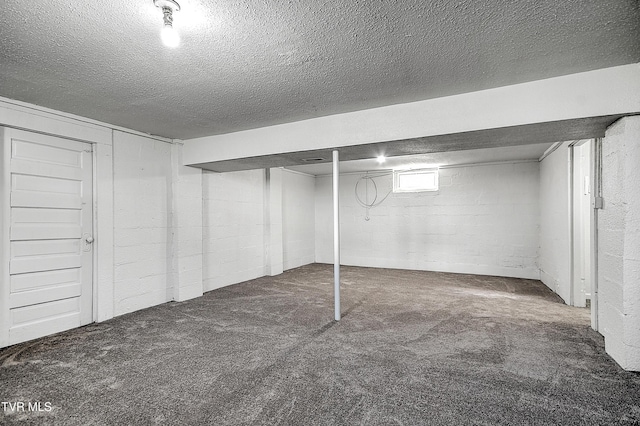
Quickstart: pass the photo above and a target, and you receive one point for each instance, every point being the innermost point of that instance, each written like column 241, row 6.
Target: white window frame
column 398, row 173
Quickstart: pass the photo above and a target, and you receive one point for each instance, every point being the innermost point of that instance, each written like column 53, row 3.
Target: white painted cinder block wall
column 186, row 236
column 483, row 220
column 233, row 227
column 256, row 224
column 555, row 244
column 298, row 219
column 619, row 243
column 142, row 222
column 148, row 210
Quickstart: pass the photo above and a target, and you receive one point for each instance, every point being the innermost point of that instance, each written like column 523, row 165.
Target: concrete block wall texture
column 142, row 223
column 619, row 243
column 298, row 219
column 186, row 228
column 555, row 245
column 233, row 240
column 273, row 222
column 483, row 220
column 255, row 224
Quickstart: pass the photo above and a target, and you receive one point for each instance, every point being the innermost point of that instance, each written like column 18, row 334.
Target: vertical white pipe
column 336, row 235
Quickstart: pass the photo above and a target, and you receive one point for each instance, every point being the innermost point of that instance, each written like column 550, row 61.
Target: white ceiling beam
column 596, row 93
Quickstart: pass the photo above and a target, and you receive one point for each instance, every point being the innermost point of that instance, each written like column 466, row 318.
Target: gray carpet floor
column 412, row 348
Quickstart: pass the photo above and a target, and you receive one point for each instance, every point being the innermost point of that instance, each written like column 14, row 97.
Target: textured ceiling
column 251, row 63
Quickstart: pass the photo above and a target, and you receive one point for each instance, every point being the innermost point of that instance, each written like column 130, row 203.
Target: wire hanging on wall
column 367, row 178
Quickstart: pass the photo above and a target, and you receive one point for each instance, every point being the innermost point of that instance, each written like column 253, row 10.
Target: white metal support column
column 336, row 234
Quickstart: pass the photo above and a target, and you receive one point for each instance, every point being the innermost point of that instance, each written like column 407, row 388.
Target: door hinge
column 597, row 202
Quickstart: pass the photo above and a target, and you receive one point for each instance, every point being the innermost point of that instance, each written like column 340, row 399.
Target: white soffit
column 550, row 110
column 431, row 160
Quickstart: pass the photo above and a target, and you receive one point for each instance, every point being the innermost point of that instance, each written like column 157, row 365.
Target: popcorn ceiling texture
column 247, row 64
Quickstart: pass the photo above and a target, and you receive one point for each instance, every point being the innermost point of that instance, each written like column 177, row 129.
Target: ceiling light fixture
column 381, row 159
column 169, row 35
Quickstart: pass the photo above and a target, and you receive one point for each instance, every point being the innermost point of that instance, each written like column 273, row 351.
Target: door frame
column 595, row 183
column 5, row 206
column 577, row 220
column 5, row 224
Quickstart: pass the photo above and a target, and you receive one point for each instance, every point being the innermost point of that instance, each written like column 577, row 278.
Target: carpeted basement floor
column 412, row 348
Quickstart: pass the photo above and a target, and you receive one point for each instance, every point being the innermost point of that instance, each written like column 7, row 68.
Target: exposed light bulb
column 381, row 159
column 170, row 36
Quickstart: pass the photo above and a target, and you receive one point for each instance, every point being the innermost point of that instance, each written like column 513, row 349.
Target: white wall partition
column 233, row 227
column 256, row 223
column 483, row 220
column 555, row 221
column 186, row 223
column 142, row 222
column 298, row 219
column 619, row 243
column 272, row 219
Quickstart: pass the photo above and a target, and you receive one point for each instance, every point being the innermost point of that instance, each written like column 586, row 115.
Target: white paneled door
column 50, row 235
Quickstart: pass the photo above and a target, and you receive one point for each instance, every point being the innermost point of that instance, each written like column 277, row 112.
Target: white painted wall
column 483, row 220
column 254, row 225
column 186, row 220
column 142, row 223
column 233, row 227
column 619, row 243
column 273, row 245
column 298, row 219
column 555, row 243
column 148, row 229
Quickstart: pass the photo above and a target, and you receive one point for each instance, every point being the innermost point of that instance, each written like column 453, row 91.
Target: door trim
column 6, row 134
column 5, row 206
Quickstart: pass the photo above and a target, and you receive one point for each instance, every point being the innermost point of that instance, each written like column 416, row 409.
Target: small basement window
column 415, row 180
